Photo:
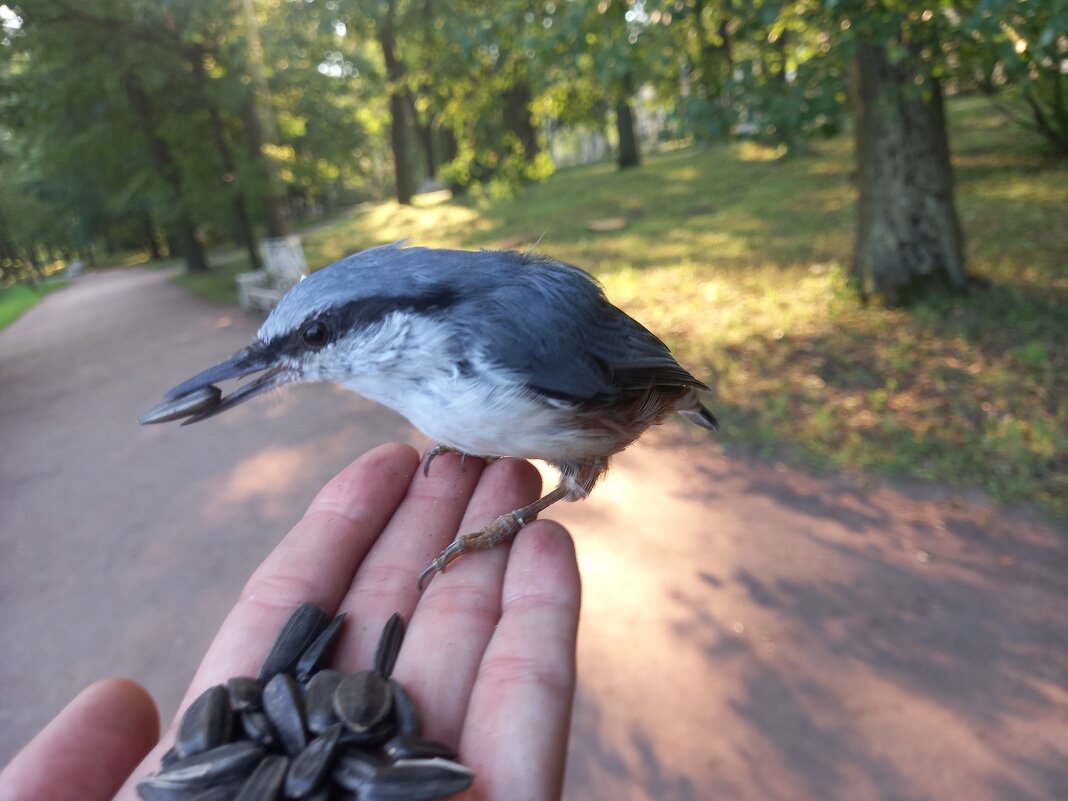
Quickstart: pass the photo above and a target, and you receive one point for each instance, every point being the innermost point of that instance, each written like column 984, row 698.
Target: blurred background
column 848, row 217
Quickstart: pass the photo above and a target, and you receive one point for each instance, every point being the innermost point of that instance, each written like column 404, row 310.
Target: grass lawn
column 738, row 259
column 14, row 300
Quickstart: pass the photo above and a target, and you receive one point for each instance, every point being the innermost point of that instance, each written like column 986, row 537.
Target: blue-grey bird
column 489, row 353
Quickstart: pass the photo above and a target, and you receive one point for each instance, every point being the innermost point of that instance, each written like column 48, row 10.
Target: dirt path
column 749, row 632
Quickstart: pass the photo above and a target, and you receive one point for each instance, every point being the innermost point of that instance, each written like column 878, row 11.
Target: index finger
column 314, row 563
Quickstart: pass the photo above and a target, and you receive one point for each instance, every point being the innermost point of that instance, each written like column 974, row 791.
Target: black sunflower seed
column 312, row 765
column 319, row 651
column 353, row 768
column 362, row 700
column 416, row 780
column 389, row 643
column 170, row 756
column 220, row 792
column 199, row 400
column 365, row 742
column 222, row 764
column 300, row 631
column 245, row 693
column 285, row 709
column 319, row 700
column 405, row 714
column 372, row 737
column 265, row 784
column 163, row 791
column 258, row 728
column 206, row 724
column 409, row 747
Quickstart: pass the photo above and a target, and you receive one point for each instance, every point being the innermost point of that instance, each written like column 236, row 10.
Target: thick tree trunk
column 398, row 128
column 167, row 168
column 908, row 236
column 629, row 155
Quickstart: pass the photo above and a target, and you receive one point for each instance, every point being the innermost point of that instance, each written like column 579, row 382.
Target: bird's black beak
column 198, row 398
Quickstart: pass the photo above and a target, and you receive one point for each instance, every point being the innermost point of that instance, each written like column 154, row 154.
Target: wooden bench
column 283, row 266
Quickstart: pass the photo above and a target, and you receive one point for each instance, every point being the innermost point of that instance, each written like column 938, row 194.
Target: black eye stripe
column 345, row 318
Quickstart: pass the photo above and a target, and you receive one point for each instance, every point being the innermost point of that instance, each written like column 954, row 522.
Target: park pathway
column 749, row 632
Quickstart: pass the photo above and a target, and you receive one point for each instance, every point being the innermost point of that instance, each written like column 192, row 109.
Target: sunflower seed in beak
column 198, row 401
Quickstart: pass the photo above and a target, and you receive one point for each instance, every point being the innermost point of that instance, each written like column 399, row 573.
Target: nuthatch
column 490, row 353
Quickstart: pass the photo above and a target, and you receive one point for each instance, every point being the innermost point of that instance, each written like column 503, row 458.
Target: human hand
column 489, row 654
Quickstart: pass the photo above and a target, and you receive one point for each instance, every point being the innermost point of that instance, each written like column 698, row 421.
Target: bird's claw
column 450, row 554
column 435, row 452
column 503, row 528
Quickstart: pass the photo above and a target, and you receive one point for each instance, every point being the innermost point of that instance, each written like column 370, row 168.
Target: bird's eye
column 315, row 334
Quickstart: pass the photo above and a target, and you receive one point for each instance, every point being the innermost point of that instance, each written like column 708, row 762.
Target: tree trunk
column 424, row 132
column 35, row 265
column 274, row 216
column 450, row 149
column 629, row 155
column 245, row 234
column 260, row 127
column 715, row 59
column 398, row 128
column 908, row 236
column 167, row 168
column 1050, row 118
column 517, row 118
column 150, row 238
column 403, row 175
column 174, row 247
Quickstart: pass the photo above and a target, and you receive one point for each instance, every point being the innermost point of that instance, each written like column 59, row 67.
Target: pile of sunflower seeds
column 299, row 730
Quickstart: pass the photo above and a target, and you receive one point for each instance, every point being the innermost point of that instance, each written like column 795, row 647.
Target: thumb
column 88, row 750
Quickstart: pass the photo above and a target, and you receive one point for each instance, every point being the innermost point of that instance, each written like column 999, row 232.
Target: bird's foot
column 502, row 529
column 436, row 451
column 439, row 449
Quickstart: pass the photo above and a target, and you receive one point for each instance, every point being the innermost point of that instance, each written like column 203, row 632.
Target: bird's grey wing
column 584, row 350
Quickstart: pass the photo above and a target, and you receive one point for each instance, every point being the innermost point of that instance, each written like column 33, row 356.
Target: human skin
column 489, row 655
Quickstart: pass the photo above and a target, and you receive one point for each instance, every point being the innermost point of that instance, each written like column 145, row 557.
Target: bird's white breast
column 469, row 404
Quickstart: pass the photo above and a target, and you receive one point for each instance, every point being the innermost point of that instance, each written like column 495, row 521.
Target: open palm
column 488, row 656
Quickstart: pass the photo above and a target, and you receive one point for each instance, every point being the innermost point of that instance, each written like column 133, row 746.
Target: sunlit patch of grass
column 738, row 259
column 756, row 151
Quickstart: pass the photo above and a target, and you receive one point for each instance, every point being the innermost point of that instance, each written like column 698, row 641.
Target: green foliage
column 484, row 83
column 1020, row 47
column 16, row 300
column 765, row 70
